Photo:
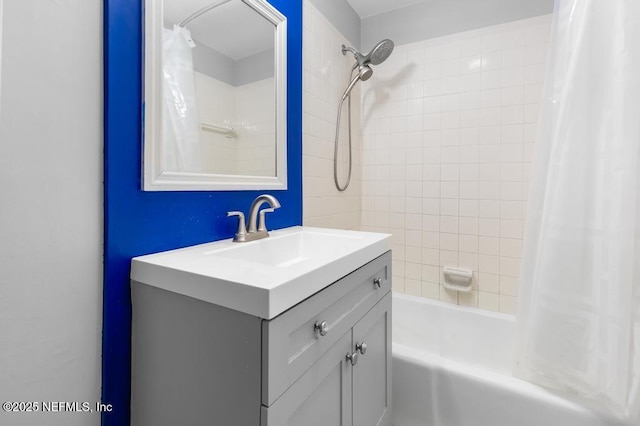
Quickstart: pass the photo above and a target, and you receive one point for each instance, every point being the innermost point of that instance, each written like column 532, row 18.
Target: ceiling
column 232, row 29
column 367, row 8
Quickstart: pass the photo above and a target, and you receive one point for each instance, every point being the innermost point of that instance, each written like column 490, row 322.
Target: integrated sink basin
column 263, row 277
column 287, row 249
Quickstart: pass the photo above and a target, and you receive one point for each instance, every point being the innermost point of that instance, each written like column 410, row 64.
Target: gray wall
column 235, row 73
column 213, row 63
column 343, row 17
column 1, row 9
column 434, row 18
column 51, row 208
column 255, row 67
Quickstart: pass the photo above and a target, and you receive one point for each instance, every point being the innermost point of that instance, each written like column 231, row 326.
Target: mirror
column 215, row 96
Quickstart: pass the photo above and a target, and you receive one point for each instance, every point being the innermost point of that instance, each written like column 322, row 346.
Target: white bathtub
column 451, row 367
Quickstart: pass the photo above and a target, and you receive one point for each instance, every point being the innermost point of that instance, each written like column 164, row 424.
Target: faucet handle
column 241, row 233
column 262, row 225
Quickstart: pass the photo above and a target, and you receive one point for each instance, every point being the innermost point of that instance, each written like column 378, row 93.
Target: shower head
column 364, row 73
column 380, row 52
column 376, row 56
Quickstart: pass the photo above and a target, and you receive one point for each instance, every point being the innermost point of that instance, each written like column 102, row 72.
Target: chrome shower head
column 380, row 52
column 376, row 56
column 364, row 73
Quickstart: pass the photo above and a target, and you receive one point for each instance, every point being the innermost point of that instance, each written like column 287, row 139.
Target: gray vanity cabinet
column 337, row 392
column 198, row 363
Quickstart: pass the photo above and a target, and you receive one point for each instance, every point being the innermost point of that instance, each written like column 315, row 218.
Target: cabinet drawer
column 290, row 342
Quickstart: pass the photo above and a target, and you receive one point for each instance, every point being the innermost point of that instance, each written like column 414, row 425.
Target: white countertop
column 264, row 277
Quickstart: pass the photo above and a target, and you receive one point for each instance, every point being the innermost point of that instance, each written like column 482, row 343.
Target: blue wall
column 139, row 222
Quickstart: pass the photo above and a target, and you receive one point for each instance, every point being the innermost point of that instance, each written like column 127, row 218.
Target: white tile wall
column 216, row 106
column 255, row 123
column 325, row 77
column 250, row 110
column 448, row 134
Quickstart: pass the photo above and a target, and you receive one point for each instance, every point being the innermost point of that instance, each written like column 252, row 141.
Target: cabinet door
column 321, row 396
column 292, row 344
column 372, row 373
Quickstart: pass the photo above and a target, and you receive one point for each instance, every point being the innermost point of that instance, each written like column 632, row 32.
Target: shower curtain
column 181, row 123
column 579, row 295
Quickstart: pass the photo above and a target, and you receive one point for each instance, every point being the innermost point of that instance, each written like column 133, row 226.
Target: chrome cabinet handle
column 353, row 358
column 377, row 282
column 321, row 327
column 361, row 347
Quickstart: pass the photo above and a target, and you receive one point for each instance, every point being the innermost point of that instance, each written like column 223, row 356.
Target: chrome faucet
column 257, row 227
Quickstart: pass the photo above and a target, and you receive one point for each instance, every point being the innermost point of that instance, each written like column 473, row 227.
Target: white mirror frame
column 153, row 177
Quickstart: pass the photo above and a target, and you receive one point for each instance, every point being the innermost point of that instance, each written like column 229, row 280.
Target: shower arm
column 346, row 49
column 201, row 12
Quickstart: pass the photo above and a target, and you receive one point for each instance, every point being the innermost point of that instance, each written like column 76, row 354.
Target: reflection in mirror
column 217, row 98
column 218, row 87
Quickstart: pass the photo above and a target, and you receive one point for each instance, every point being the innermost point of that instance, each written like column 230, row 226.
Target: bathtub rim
column 460, row 308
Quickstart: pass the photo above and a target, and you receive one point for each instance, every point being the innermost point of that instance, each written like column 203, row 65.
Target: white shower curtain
column 579, row 296
column 181, row 123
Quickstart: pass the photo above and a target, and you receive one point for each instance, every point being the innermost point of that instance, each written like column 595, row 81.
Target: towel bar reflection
column 229, row 132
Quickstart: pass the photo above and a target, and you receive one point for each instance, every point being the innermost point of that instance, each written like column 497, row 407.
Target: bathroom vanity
column 294, row 329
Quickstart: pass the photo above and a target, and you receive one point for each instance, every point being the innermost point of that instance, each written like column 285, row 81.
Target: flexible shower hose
column 335, row 150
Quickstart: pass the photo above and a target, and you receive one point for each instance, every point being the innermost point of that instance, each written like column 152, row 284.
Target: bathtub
column 451, row 367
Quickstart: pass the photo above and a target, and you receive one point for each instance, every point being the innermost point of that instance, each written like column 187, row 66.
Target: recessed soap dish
column 458, row 279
